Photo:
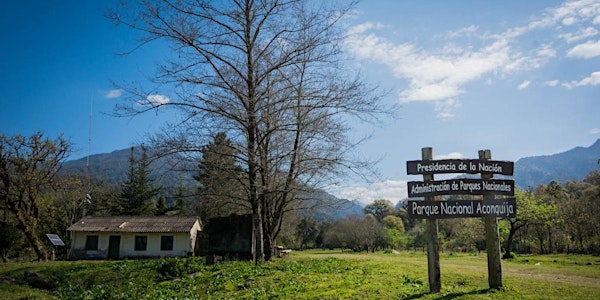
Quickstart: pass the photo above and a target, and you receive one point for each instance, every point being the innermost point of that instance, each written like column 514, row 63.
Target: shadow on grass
column 453, row 295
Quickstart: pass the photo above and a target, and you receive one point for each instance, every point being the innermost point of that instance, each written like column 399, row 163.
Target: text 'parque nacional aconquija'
column 502, row 208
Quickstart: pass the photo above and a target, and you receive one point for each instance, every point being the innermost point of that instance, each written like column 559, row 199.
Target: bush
column 171, row 267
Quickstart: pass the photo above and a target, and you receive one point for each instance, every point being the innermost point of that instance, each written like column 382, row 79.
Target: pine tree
column 161, row 206
column 219, row 179
column 138, row 192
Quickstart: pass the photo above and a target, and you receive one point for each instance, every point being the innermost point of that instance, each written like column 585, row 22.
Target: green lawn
column 305, row 275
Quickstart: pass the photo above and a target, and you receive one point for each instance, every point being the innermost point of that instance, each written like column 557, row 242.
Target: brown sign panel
column 461, row 166
column 501, row 208
column 461, row 187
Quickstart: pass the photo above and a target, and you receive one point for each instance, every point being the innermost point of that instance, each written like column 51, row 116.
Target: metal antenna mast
column 88, row 197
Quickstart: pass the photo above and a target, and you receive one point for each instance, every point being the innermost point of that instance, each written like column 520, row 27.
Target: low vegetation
column 304, row 275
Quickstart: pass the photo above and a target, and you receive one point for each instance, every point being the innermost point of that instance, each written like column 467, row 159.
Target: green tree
column 10, row 240
column 138, row 191
column 463, row 234
column 581, row 214
column 531, row 210
column 28, row 165
column 355, row 233
column 219, row 177
column 416, row 235
column 379, row 209
column 62, row 206
column 161, row 206
column 394, row 229
column 551, row 194
column 105, row 199
column 393, row 222
column 307, row 232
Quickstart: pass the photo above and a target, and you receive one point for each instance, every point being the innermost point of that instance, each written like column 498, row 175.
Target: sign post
column 492, row 238
column 431, row 232
column 490, row 207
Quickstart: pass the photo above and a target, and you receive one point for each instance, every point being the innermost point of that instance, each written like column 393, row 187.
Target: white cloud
column 112, row 94
column 551, row 83
column 392, row 190
column 593, row 79
column 432, row 76
column 579, row 35
column 445, row 109
column 467, row 31
column 443, row 73
column 546, row 51
column 586, row 50
column 451, row 155
column 594, row 131
column 569, row 21
column 523, row 85
column 154, row 100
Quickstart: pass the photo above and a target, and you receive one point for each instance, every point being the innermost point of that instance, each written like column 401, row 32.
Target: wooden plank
column 461, row 187
column 492, row 236
column 459, row 166
column 431, row 235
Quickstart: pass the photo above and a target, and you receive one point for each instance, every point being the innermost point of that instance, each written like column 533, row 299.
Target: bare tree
column 269, row 74
column 27, row 166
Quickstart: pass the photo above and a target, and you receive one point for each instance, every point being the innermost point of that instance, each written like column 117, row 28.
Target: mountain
column 571, row 165
column 326, row 207
column 112, row 168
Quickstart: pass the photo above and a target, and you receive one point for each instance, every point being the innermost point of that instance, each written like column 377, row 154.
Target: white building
column 131, row 237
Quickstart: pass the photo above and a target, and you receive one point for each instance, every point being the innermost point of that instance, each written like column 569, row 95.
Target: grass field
column 305, row 275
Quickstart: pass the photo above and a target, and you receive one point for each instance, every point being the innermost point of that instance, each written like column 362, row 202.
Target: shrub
column 171, row 267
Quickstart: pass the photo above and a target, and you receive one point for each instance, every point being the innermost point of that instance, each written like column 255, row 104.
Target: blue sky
column 521, row 78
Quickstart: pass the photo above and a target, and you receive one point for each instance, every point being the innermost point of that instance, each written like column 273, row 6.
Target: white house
column 130, row 237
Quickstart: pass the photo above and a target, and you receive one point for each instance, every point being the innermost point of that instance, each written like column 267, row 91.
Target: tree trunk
column 550, row 249
column 509, row 241
column 257, row 244
column 268, row 243
column 35, row 243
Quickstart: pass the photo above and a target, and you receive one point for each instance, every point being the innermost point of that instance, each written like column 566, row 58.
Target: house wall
column 183, row 244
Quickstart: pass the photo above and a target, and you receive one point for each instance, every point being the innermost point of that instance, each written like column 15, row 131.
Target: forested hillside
column 571, row 165
column 112, row 168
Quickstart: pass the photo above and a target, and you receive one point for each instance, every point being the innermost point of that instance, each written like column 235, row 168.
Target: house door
column 114, row 244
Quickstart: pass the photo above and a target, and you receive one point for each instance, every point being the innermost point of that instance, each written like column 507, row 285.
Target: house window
column 91, row 242
column 166, row 243
column 140, row 243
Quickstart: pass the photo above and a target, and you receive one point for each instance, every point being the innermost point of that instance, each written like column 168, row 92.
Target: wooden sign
column 461, row 187
column 501, row 208
column 468, row 166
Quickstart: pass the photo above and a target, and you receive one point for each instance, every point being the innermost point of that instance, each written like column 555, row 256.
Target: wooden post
column 492, row 238
column 431, row 232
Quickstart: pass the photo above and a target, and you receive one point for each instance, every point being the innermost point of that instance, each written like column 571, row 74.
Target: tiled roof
column 136, row 224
